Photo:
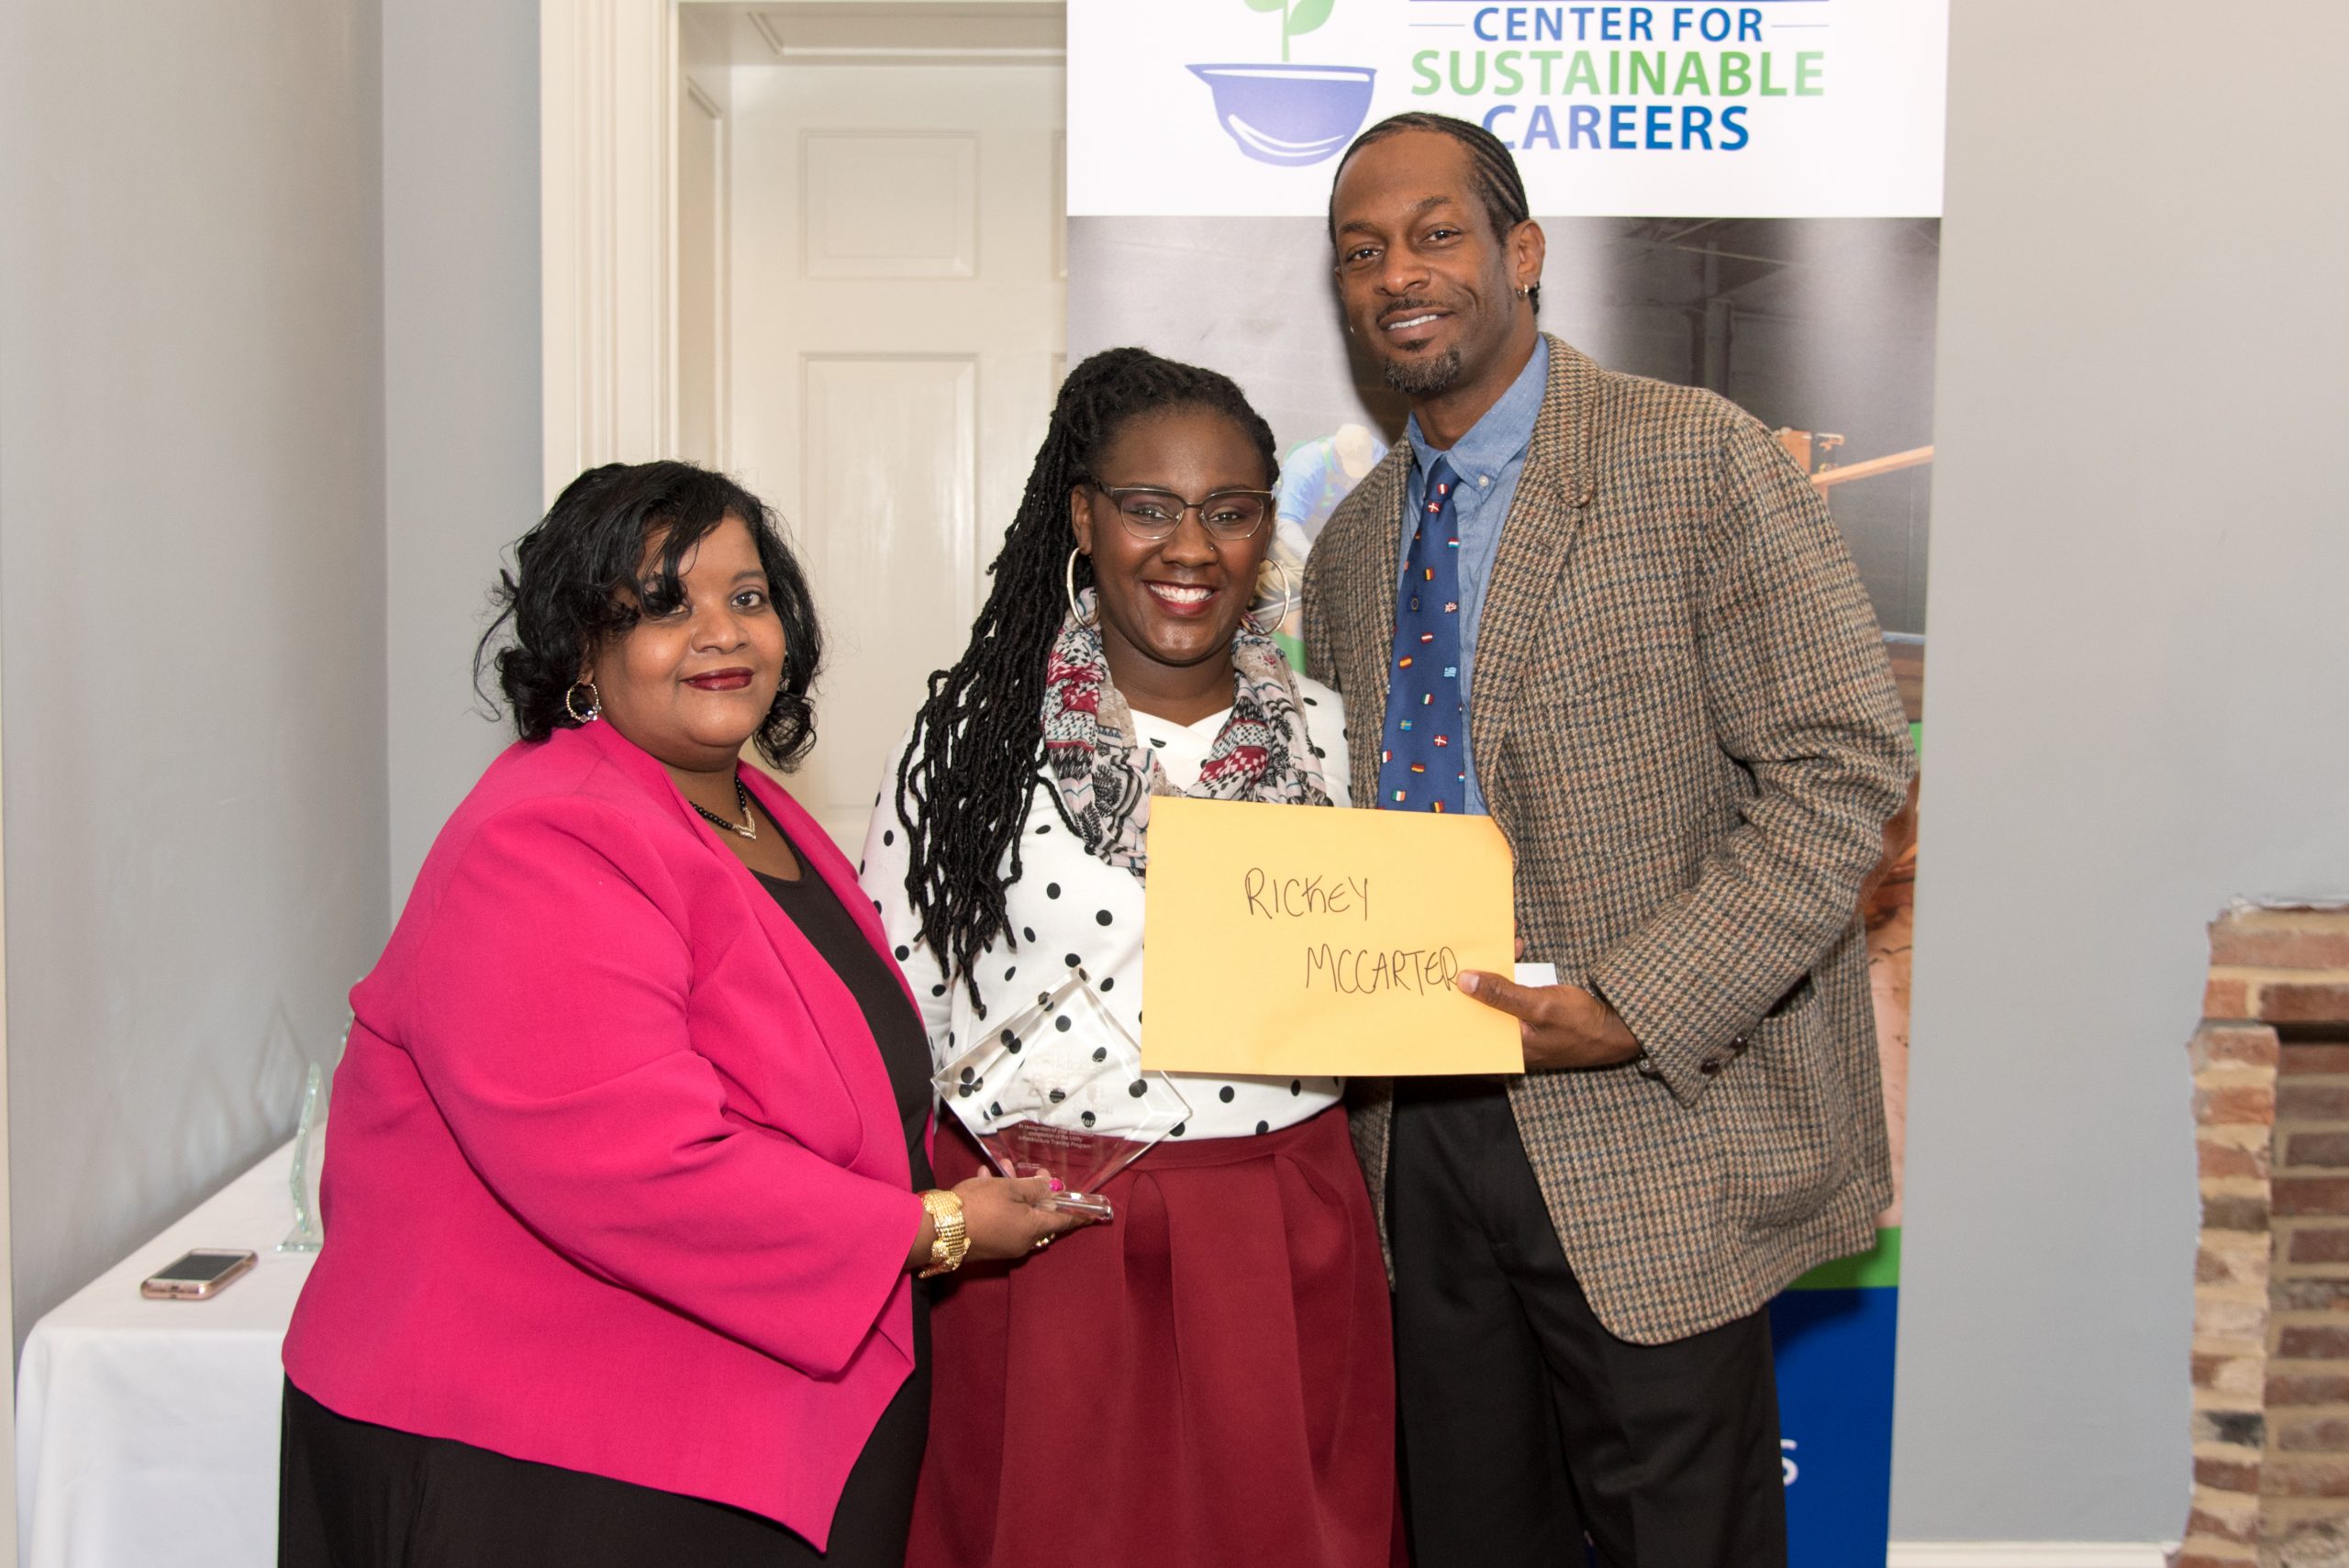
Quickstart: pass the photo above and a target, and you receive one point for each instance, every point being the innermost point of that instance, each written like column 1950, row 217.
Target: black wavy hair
column 576, row 574
column 978, row 740
column 1499, row 186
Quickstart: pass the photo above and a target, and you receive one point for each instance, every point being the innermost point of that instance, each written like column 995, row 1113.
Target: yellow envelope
column 1289, row 940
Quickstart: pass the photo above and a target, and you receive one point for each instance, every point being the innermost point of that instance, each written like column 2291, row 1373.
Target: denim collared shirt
column 1488, row 459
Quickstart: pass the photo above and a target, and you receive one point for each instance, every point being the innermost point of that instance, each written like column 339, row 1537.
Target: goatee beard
column 1423, row 378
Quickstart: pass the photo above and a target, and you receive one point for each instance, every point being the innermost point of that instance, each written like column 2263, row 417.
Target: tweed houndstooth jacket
column 1685, row 724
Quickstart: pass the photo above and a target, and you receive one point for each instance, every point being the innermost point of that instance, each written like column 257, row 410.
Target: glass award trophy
column 1059, row 1090
column 308, row 1235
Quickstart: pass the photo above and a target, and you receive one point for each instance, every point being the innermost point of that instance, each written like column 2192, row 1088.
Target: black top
column 897, row 1028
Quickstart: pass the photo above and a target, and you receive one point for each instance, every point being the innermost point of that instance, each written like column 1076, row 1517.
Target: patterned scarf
column 1106, row 778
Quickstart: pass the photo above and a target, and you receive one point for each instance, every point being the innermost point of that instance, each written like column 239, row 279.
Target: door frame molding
column 607, row 106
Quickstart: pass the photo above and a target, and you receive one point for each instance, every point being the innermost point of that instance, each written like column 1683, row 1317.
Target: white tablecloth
column 146, row 1431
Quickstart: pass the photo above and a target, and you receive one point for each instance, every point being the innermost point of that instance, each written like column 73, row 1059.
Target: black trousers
column 352, row 1494
column 1525, row 1424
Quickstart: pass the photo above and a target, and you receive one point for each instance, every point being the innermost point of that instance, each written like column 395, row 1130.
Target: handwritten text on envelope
column 1289, row 940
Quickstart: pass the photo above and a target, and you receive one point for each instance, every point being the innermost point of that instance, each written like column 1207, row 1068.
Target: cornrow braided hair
column 1498, row 184
column 978, row 744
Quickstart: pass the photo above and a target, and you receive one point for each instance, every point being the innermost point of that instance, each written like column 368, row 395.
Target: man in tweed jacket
column 1680, row 714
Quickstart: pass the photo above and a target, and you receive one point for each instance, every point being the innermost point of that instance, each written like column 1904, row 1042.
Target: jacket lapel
column 1536, row 537
column 838, row 1020
column 1374, row 563
column 846, row 1034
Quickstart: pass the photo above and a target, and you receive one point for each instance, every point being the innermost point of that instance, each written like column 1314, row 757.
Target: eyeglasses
column 1152, row 516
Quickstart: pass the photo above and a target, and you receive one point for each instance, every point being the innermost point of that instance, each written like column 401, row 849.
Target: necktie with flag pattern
column 1419, row 761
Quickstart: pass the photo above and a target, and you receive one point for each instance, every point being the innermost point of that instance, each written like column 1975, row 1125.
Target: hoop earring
column 1069, row 579
column 594, row 703
column 1260, row 627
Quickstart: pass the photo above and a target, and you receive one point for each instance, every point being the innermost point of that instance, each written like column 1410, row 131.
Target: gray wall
column 191, row 592
column 461, row 359
column 2137, row 704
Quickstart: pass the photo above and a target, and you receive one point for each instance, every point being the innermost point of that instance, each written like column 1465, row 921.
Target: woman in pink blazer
column 625, row 1177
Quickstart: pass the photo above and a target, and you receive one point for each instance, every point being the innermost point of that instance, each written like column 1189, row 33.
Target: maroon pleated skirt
column 1207, row 1379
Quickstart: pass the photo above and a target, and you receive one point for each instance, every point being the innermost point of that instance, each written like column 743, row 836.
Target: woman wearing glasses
column 1206, row 1378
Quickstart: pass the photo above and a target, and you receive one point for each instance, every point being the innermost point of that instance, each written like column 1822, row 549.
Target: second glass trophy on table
column 1059, row 1090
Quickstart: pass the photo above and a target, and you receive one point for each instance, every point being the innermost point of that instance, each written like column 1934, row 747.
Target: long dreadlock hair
column 1499, row 186
column 978, row 744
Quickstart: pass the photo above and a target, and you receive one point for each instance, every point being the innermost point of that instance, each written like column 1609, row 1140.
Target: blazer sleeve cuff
column 1683, row 1057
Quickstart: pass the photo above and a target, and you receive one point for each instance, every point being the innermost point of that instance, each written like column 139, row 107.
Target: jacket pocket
column 1786, row 1119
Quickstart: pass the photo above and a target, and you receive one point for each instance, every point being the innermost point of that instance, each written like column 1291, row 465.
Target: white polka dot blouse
column 1071, row 910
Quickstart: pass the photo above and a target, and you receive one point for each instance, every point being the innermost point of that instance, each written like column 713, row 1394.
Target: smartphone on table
column 195, row 1275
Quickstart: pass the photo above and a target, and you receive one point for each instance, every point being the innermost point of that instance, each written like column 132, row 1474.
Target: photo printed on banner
column 1822, row 329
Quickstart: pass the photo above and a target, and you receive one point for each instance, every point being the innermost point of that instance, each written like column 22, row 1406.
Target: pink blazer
column 615, row 1179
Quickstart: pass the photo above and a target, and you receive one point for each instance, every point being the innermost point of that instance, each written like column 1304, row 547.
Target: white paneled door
column 898, row 312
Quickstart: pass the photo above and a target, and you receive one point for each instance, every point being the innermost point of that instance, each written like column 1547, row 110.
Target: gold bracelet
column 950, row 1236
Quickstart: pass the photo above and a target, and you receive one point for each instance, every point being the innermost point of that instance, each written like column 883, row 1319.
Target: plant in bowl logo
column 1289, row 114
